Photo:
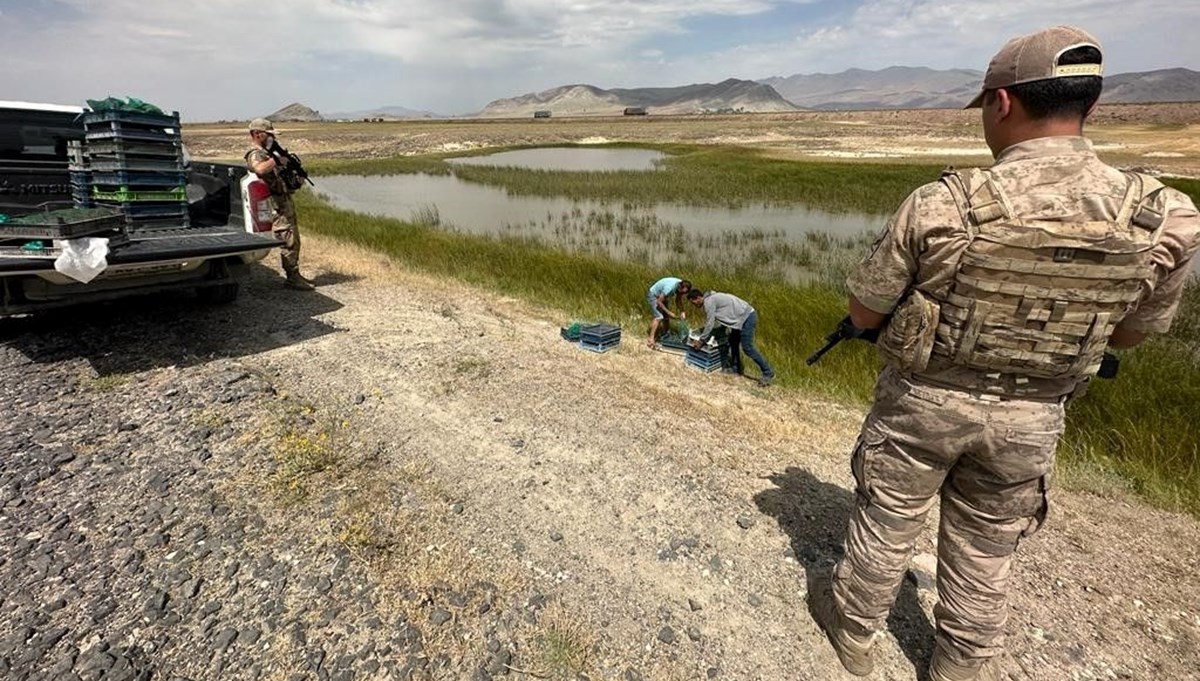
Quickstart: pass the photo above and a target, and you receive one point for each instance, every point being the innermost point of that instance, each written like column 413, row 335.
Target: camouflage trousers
column 287, row 230
column 988, row 461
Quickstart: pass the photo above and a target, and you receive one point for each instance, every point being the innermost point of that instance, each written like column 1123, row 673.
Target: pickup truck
column 229, row 223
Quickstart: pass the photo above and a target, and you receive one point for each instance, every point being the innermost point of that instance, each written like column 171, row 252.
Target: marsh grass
column 704, row 176
column 1141, row 427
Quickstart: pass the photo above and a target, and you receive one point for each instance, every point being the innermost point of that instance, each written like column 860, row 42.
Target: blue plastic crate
column 159, row 149
column 148, row 178
column 170, row 120
column 599, row 347
column 105, row 163
column 117, row 132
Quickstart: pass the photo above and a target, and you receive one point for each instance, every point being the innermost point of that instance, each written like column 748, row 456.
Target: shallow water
column 569, row 159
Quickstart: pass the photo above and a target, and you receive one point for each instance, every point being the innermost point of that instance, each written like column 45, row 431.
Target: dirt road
column 399, row 477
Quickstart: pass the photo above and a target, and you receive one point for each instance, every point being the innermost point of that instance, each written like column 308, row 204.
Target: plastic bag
column 82, row 259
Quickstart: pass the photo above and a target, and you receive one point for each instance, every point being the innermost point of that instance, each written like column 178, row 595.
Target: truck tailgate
column 166, row 244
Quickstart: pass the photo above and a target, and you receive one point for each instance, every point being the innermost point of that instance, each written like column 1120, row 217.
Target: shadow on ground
column 814, row 514
column 174, row 329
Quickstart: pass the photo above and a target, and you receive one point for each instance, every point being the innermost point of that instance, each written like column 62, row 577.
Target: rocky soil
column 400, row 478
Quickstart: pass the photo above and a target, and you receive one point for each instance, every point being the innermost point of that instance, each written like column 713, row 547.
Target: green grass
column 1140, row 427
column 705, row 176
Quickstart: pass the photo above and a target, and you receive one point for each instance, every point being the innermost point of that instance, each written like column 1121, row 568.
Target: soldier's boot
column 851, row 643
column 946, row 668
column 295, row 281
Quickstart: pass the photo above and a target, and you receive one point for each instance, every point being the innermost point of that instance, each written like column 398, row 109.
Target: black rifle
column 293, row 173
column 846, row 330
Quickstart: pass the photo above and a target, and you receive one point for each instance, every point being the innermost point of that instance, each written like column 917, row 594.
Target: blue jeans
column 743, row 339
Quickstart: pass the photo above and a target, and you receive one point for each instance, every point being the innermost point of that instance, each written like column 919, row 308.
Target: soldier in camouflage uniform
column 266, row 165
column 997, row 292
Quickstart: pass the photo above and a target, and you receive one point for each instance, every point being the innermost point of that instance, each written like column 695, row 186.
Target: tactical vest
column 273, row 179
column 1039, row 296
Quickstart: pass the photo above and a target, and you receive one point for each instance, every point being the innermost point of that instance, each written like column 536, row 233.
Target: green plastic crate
column 123, row 194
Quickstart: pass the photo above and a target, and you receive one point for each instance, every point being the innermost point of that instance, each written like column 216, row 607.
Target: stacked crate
column 707, row 358
column 81, row 175
column 599, row 337
column 136, row 164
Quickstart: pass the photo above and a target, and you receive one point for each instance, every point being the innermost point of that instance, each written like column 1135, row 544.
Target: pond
column 775, row 240
column 574, row 159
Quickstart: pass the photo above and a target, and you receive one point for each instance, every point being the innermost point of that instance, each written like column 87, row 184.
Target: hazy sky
column 213, row 59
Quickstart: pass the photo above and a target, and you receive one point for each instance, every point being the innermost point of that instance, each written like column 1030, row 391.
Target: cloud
column 230, row 58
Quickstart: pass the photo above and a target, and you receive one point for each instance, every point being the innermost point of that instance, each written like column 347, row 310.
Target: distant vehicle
column 541, row 114
column 635, row 111
column 228, row 226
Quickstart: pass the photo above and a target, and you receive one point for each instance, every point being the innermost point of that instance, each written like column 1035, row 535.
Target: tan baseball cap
column 1035, row 57
column 261, row 124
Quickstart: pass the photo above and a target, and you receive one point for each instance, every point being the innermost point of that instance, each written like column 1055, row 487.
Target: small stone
column 693, row 633
column 694, row 605
column 631, row 675
column 224, row 638
column 556, row 536
column 499, row 419
column 360, row 398
column 439, row 617
column 666, row 635
column 324, row 585
column 745, row 522
column 712, row 672
column 458, row 509
column 755, row 600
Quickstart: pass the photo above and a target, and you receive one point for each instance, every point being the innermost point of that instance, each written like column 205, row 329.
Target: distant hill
column 584, row 100
column 295, row 112
column 389, row 113
column 1167, row 85
column 904, row 87
column 896, row 87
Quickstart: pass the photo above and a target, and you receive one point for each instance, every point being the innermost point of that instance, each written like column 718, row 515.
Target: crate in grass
column 707, row 358
column 123, row 194
column 65, row 223
column 600, row 333
column 599, row 337
column 152, row 178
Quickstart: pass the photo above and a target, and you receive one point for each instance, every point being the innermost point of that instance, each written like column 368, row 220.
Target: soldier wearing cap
column 262, row 161
column 996, row 292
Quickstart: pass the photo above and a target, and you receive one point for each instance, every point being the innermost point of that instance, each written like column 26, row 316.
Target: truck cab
column 228, row 223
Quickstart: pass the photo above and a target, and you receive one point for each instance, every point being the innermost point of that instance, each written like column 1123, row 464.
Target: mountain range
column 896, row 87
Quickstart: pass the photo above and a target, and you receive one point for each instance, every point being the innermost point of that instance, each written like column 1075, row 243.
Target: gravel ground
column 396, row 477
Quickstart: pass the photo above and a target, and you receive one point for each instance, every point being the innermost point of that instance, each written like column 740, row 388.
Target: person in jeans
column 740, row 318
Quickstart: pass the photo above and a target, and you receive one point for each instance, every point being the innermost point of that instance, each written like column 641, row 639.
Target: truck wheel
column 220, row 294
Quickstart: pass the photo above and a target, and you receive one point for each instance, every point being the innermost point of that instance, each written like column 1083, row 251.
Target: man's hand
column 695, row 344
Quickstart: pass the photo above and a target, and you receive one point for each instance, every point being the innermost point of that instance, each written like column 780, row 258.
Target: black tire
column 220, row 294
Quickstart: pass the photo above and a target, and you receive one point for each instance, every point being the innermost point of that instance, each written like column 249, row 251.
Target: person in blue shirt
column 658, row 298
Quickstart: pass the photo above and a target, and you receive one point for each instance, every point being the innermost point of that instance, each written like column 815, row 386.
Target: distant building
column 635, row 111
column 541, row 114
